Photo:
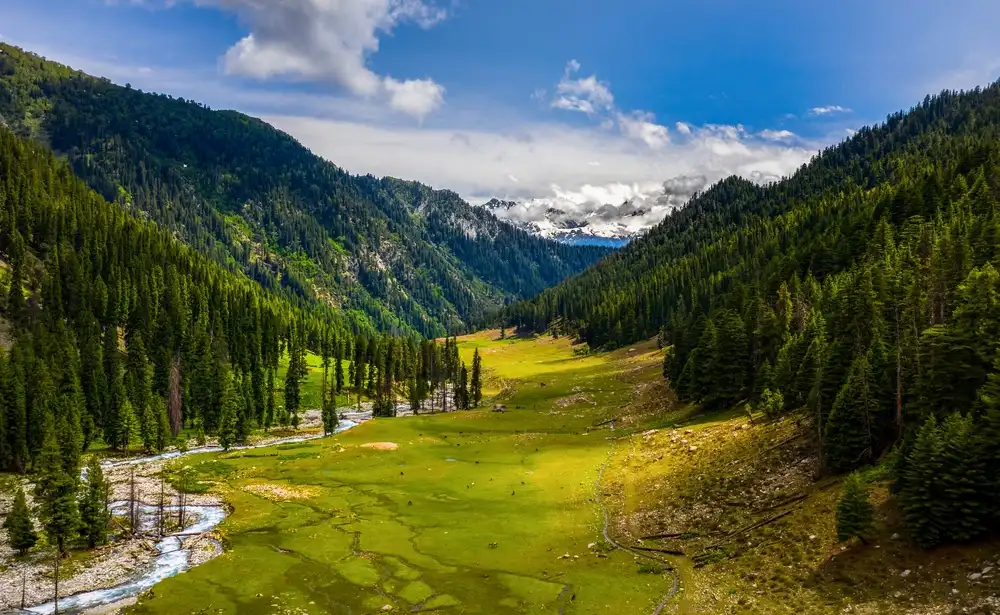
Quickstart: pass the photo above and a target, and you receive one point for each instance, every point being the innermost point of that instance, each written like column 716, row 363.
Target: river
column 173, row 557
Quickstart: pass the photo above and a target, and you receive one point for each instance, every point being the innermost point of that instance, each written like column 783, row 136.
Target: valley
column 594, row 492
column 243, row 375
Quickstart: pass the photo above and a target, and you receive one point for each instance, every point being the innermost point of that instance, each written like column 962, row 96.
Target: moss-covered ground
column 475, row 512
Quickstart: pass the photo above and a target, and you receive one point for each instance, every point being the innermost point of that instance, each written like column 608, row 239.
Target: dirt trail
column 675, row 583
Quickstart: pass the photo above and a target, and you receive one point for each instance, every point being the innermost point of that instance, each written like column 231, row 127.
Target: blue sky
column 570, row 103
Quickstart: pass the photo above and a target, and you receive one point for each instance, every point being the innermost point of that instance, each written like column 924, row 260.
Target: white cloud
column 639, row 125
column 417, row 97
column 586, row 94
column 552, row 166
column 594, row 98
column 330, row 41
column 683, row 128
column 777, row 135
column 827, row 110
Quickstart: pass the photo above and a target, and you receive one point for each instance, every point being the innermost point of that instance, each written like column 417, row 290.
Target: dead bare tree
column 133, row 512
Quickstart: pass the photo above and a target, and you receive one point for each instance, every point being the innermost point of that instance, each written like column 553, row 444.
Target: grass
column 415, row 528
column 713, row 475
column 311, row 387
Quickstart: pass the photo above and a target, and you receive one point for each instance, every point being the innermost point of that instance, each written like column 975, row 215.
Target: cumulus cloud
column 594, row 98
column 827, row 110
column 585, row 94
column 640, row 125
column 330, row 41
column 777, row 135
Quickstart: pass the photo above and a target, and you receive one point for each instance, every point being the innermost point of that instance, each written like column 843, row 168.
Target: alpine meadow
column 333, row 308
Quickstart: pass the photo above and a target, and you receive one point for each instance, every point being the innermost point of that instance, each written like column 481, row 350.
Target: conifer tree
column 339, row 369
column 129, row 425
column 854, row 510
column 269, row 408
column 228, row 416
column 919, row 487
column 462, row 389
column 161, row 430
column 20, row 528
column 848, row 435
column 477, row 379
column 138, row 387
column 293, row 378
column 94, row 513
column 55, row 494
column 12, row 403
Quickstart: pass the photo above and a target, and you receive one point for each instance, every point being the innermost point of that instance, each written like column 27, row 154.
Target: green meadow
column 474, row 512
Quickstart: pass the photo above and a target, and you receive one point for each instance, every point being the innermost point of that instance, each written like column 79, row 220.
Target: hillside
column 858, row 296
column 396, row 254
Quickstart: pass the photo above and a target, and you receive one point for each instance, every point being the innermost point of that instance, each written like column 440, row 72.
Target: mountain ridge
column 394, row 254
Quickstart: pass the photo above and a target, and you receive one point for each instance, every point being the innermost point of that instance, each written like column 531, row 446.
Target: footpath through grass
column 474, row 512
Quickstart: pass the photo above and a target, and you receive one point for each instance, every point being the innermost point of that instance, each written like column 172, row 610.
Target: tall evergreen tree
column 20, row 528
column 477, row 379
column 94, row 512
column 55, row 495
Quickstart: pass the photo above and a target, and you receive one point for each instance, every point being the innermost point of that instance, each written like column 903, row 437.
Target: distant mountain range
column 610, row 225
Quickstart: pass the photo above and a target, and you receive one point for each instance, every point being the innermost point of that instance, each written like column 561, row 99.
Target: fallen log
column 671, row 535
column 658, row 550
column 751, row 527
column 664, row 535
column 786, row 502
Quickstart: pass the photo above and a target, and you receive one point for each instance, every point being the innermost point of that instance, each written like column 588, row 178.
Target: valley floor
column 594, row 492
column 472, row 512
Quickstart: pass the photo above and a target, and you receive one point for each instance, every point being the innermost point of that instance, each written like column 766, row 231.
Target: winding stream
column 173, row 557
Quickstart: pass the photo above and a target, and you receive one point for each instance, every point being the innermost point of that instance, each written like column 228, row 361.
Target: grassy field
column 739, row 498
column 475, row 512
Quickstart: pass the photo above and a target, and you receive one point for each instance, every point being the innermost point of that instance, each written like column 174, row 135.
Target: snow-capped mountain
column 589, row 219
column 609, row 225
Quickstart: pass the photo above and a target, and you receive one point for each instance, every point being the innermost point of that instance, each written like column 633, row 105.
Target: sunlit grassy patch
column 472, row 513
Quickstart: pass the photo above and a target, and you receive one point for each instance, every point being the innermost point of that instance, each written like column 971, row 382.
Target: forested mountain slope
column 864, row 288
column 116, row 331
column 398, row 254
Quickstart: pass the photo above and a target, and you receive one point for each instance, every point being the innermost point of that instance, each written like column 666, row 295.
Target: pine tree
column 477, row 379
column 20, row 529
column 129, row 425
column 228, row 418
column 854, row 510
column 293, row 378
column 919, row 489
column 139, row 391
column 269, row 409
column 462, row 389
column 55, row 494
column 848, row 435
column 339, row 369
column 161, row 429
column 94, row 513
